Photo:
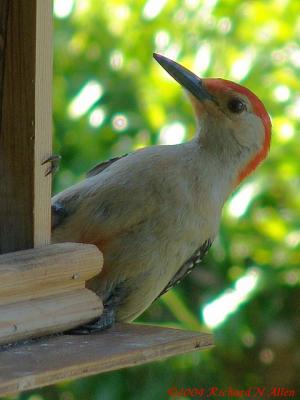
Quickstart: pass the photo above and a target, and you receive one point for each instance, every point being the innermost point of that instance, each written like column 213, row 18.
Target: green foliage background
column 258, row 44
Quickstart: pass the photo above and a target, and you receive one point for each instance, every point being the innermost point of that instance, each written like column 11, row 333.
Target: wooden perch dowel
column 33, row 273
column 48, row 315
column 42, row 291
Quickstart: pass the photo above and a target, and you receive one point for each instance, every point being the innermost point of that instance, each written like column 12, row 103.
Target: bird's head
column 233, row 121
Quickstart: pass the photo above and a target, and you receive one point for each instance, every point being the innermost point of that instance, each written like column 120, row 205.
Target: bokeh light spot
column 84, row 100
column 216, row 312
column 116, row 60
column 191, row 4
column 282, row 93
column 295, row 57
column 162, row 40
column 266, row 356
column 172, row 134
column 286, row 131
column 97, row 117
column 293, row 238
column 224, row 25
column 248, row 339
column 242, row 66
column 120, row 122
column 153, row 8
column 63, row 8
column 241, row 200
column 202, row 59
column 292, row 278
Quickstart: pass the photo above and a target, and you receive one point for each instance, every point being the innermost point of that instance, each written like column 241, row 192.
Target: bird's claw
column 54, row 164
column 105, row 321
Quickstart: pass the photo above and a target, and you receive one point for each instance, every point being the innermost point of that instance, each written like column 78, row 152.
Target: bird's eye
column 236, row 105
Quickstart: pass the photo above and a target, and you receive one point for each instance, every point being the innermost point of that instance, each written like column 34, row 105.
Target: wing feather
column 187, row 267
column 102, row 166
column 59, row 211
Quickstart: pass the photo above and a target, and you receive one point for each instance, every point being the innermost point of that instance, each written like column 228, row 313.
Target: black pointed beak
column 186, row 78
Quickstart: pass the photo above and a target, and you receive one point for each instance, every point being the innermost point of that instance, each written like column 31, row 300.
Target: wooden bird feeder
column 42, row 286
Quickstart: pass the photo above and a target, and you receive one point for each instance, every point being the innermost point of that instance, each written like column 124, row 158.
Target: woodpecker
column 154, row 213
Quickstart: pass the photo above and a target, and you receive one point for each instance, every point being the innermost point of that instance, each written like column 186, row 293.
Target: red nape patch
column 259, row 110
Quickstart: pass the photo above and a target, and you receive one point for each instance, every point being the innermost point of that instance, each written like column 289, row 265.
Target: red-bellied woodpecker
column 155, row 212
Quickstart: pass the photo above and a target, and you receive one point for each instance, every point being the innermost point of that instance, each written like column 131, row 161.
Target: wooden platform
column 50, row 360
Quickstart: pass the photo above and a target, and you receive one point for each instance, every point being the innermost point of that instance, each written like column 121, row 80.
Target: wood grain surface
column 44, row 271
column 25, row 130
column 54, row 359
column 51, row 314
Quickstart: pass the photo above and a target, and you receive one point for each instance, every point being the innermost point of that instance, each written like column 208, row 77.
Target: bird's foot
column 54, row 164
column 105, row 321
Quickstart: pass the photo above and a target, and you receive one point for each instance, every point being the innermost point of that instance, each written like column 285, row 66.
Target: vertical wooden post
column 25, row 124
